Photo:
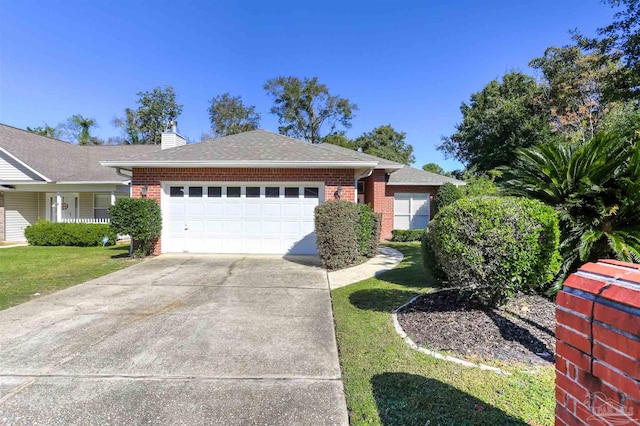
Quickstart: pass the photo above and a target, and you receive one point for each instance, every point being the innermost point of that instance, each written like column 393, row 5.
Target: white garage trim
column 411, row 210
column 227, row 217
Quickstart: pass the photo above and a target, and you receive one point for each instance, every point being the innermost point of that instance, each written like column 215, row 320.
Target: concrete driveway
column 179, row 339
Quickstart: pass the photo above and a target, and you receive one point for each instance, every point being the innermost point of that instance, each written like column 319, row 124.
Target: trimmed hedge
column 140, row 218
column 493, row 247
column 447, row 194
column 404, row 235
column 337, row 232
column 45, row 233
column 429, row 260
column 345, row 233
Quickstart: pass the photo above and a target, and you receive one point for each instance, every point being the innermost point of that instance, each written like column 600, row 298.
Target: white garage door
column 410, row 211
column 240, row 218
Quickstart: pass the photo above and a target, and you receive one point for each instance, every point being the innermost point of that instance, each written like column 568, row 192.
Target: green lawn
column 25, row 271
column 388, row 383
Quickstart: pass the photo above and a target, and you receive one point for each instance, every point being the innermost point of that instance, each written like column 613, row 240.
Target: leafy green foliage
column 156, row 109
column 406, row 235
column 306, row 109
column 575, row 84
column 595, row 186
column 434, row 168
column 494, row 247
column 47, row 130
column 476, row 185
column 229, row 116
column 140, row 218
column 500, row 118
column 386, row 142
column 45, row 233
column 447, row 194
column 366, row 228
column 620, row 41
column 429, row 259
column 77, row 129
column 337, row 229
column 341, row 140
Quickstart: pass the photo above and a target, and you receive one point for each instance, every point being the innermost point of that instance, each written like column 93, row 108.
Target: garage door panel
column 411, row 210
column 272, row 209
column 214, row 209
column 232, row 227
column 233, row 208
column 217, row 223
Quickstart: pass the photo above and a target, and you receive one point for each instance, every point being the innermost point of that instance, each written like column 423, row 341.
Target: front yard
column 388, row 383
column 27, row 271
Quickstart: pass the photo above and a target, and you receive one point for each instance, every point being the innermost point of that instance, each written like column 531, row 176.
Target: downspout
column 119, row 172
column 362, row 176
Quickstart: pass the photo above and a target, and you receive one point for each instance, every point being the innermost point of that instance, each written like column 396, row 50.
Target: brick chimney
column 171, row 138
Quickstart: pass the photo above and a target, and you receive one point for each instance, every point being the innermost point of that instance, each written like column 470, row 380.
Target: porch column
column 113, row 198
column 58, row 206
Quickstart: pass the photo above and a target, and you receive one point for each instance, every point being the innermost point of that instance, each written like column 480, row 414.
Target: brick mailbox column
column 598, row 346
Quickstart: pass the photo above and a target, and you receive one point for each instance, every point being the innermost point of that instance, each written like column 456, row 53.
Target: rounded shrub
column 447, row 194
column 140, row 218
column 337, row 233
column 494, row 247
column 429, row 260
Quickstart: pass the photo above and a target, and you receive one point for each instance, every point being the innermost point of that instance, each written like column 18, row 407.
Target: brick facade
column 598, row 346
column 2, row 227
column 380, row 196
column 153, row 177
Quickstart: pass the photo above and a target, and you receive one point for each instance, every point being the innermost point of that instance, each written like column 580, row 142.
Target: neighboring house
column 45, row 178
column 255, row 192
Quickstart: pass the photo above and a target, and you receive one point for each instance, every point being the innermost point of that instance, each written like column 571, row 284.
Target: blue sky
column 409, row 64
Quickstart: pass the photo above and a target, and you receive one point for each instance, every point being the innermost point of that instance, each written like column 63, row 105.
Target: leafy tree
column 77, row 130
column 155, row 110
column 340, row 140
column 595, row 187
column 47, row 130
column 229, row 116
column 574, row 84
column 306, row 109
column 499, row 119
column 434, row 168
column 620, row 40
column 385, row 142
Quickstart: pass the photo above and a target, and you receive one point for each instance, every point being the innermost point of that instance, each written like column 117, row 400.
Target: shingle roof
column 410, row 175
column 382, row 163
column 60, row 161
column 254, row 146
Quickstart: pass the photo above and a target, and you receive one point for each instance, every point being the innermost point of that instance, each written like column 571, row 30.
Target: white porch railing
column 85, row 220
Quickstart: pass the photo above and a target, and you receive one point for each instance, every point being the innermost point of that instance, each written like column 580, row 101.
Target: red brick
column 587, row 284
column 580, row 359
column 625, row 384
column 561, row 366
column 571, row 302
column 568, row 418
column 624, row 295
column 572, row 387
column 604, row 269
column 561, row 396
column 615, row 340
column 617, row 318
column 573, row 338
column 588, row 417
column 619, row 263
column 573, row 321
column 630, row 366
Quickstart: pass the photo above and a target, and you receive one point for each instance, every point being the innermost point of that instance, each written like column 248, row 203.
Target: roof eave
column 423, row 183
column 243, row 164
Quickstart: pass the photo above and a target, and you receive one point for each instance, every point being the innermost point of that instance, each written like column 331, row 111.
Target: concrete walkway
column 179, row 339
column 386, row 260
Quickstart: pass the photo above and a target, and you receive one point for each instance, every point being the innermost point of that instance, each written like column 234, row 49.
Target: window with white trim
column 101, row 204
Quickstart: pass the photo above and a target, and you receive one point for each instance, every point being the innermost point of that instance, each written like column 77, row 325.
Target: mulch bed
column 521, row 331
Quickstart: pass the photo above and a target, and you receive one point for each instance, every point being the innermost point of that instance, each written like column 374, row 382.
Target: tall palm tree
column 595, row 187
